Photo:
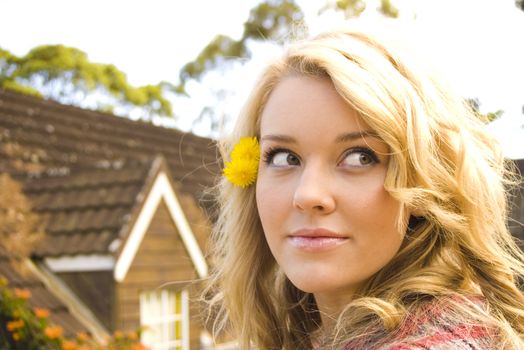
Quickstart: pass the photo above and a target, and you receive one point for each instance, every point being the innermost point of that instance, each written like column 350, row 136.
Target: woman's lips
column 316, row 240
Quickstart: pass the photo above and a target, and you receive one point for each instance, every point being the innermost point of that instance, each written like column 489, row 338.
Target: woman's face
column 327, row 218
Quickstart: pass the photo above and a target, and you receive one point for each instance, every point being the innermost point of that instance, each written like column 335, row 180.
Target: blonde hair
column 444, row 168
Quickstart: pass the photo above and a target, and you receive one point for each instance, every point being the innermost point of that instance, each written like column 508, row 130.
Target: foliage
column 20, row 228
column 65, row 74
column 474, row 104
column 354, row 8
column 269, row 20
column 23, row 328
column 388, row 9
column 520, row 4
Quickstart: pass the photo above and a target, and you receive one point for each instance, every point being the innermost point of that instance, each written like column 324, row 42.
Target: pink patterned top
column 433, row 327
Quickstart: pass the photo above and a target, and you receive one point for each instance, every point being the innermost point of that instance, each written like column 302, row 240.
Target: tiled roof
column 44, row 136
column 40, row 295
column 84, row 171
column 84, row 212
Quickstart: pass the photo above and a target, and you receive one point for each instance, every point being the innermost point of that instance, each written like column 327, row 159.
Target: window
column 164, row 316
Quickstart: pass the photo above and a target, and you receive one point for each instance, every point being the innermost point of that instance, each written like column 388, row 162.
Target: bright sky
column 474, row 42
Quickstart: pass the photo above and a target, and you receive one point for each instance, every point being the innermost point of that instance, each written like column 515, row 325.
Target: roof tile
column 84, row 170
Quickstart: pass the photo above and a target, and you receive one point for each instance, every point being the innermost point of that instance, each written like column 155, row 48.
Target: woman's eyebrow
column 279, row 138
column 346, row 137
column 351, row 136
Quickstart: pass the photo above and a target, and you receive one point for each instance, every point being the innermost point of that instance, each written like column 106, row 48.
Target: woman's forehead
column 304, row 101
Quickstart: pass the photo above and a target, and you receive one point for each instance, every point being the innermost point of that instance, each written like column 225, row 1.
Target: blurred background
column 200, row 58
column 109, row 115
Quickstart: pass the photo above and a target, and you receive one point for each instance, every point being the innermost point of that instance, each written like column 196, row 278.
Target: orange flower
column 41, row 312
column 22, row 293
column 82, row 337
column 139, row 347
column 14, row 325
column 132, row 335
column 68, row 345
column 118, row 335
column 53, row 332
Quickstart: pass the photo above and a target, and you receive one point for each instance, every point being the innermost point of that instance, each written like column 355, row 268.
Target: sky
column 474, row 43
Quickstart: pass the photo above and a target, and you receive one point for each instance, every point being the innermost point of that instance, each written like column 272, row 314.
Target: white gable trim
column 76, row 263
column 161, row 189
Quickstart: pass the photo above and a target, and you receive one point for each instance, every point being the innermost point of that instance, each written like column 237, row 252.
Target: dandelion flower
column 243, row 168
column 246, row 148
column 241, row 172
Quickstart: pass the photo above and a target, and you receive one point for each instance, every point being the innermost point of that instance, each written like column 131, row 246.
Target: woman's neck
column 330, row 305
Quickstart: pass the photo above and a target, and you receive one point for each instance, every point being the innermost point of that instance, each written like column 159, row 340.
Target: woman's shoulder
column 445, row 323
column 437, row 323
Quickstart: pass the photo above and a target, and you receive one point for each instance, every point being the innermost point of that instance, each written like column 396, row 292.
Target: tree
column 20, row 228
column 474, row 103
column 66, row 75
column 270, row 20
column 354, row 8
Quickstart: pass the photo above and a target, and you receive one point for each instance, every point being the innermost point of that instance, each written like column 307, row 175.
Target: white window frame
column 155, row 313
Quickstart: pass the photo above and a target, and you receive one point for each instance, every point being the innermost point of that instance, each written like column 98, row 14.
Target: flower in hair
column 243, row 168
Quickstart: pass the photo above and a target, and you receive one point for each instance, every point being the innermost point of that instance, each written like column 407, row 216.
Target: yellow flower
column 243, row 168
column 40, row 312
column 241, row 172
column 17, row 336
column 246, row 148
column 53, row 332
column 3, row 281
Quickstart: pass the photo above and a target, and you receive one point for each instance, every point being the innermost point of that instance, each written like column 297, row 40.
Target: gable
column 162, row 256
column 161, row 191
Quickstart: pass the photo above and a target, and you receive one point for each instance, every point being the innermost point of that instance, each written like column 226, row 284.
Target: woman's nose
column 313, row 192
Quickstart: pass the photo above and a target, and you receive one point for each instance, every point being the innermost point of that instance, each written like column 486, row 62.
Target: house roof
column 84, row 212
column 44, row 137
column 85, row 171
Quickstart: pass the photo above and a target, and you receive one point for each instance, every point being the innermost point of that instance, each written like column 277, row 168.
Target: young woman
column 374, row 216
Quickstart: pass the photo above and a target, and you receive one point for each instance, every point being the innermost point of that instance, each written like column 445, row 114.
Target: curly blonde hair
column 444, row 167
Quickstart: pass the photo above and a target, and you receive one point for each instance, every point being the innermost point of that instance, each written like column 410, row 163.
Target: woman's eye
column 359, row 159
column 282, row 159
